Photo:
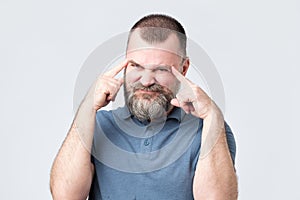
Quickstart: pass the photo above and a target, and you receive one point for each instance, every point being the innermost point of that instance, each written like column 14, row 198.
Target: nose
column 147, row 78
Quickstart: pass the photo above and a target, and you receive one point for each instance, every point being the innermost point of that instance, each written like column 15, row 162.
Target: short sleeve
column 231, row 142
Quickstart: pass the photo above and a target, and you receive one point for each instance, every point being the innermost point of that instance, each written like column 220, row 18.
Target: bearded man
column 169, row 141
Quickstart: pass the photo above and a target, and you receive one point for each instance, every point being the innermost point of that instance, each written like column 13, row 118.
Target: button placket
column 146, row 142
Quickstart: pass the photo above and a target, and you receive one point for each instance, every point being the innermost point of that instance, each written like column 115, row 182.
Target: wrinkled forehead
column 154, row 39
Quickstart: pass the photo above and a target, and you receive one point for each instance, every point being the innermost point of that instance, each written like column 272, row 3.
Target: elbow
column 216, row 193
column 60, row 192
column 217, row 196
column 64, row 195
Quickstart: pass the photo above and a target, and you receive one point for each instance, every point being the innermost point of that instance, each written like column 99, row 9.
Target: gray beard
column 148, row 107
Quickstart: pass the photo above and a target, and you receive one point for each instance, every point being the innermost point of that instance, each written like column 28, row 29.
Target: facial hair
column 148, row 106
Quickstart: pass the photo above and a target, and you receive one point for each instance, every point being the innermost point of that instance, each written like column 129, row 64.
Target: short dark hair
column 157, row 28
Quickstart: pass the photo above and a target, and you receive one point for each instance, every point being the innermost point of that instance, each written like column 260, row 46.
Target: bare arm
column 72, row 170
column 215, row 177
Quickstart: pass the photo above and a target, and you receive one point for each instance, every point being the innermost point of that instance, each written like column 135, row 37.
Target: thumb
column 175, row 102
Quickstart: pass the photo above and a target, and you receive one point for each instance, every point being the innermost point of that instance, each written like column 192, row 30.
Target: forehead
column 154, row 56
column 143, row 52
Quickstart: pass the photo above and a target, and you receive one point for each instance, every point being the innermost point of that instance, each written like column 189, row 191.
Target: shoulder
column 121, row 112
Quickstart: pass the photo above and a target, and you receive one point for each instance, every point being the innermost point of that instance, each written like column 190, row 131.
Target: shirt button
column 146, row 142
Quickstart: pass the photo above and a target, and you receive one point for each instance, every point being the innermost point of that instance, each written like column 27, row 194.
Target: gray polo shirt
column 146, row 161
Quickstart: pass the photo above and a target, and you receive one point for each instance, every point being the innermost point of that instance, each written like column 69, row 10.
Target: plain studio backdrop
column 254, row 46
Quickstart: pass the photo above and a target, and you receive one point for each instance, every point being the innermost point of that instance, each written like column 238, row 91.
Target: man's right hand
column 72, row 171
column 107, row 86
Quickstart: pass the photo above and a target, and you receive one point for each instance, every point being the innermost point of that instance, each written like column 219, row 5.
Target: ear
column 185, row 66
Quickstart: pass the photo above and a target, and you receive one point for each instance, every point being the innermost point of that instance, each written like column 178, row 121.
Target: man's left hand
column 191, row 98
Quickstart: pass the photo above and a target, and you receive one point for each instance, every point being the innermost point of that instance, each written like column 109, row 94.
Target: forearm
column 72, row 170
column 215, row 177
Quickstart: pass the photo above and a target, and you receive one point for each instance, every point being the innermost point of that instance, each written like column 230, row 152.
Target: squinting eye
column 163, row 69
column 138, row 67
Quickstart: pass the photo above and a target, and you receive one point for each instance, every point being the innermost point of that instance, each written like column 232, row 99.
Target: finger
column 175, row 102
column 103, row 81
column 187, row 108
column 109, row 85
column 189, row 81
column 113, row 96
column 121, row 80
column 114, row 71
column 115, row 90
column 178, row 75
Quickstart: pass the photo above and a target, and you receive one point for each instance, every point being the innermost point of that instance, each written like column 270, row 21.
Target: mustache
column 152, row 88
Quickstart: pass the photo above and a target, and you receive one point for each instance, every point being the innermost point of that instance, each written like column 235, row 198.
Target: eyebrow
column 135, row 63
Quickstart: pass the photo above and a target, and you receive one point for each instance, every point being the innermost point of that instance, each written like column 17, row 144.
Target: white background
column 253, row 44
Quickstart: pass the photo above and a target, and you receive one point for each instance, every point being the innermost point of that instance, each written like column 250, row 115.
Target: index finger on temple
column 114, row 71
column 178, row 75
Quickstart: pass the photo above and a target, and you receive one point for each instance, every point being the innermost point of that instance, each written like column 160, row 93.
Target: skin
column 145, row 64
column 72, row 171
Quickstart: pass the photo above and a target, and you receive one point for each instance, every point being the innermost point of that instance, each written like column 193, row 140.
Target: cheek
column 131, row 76
column 169, row 82
column 164, row 81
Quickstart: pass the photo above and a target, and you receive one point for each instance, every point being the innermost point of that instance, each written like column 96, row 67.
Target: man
column 169, row 141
